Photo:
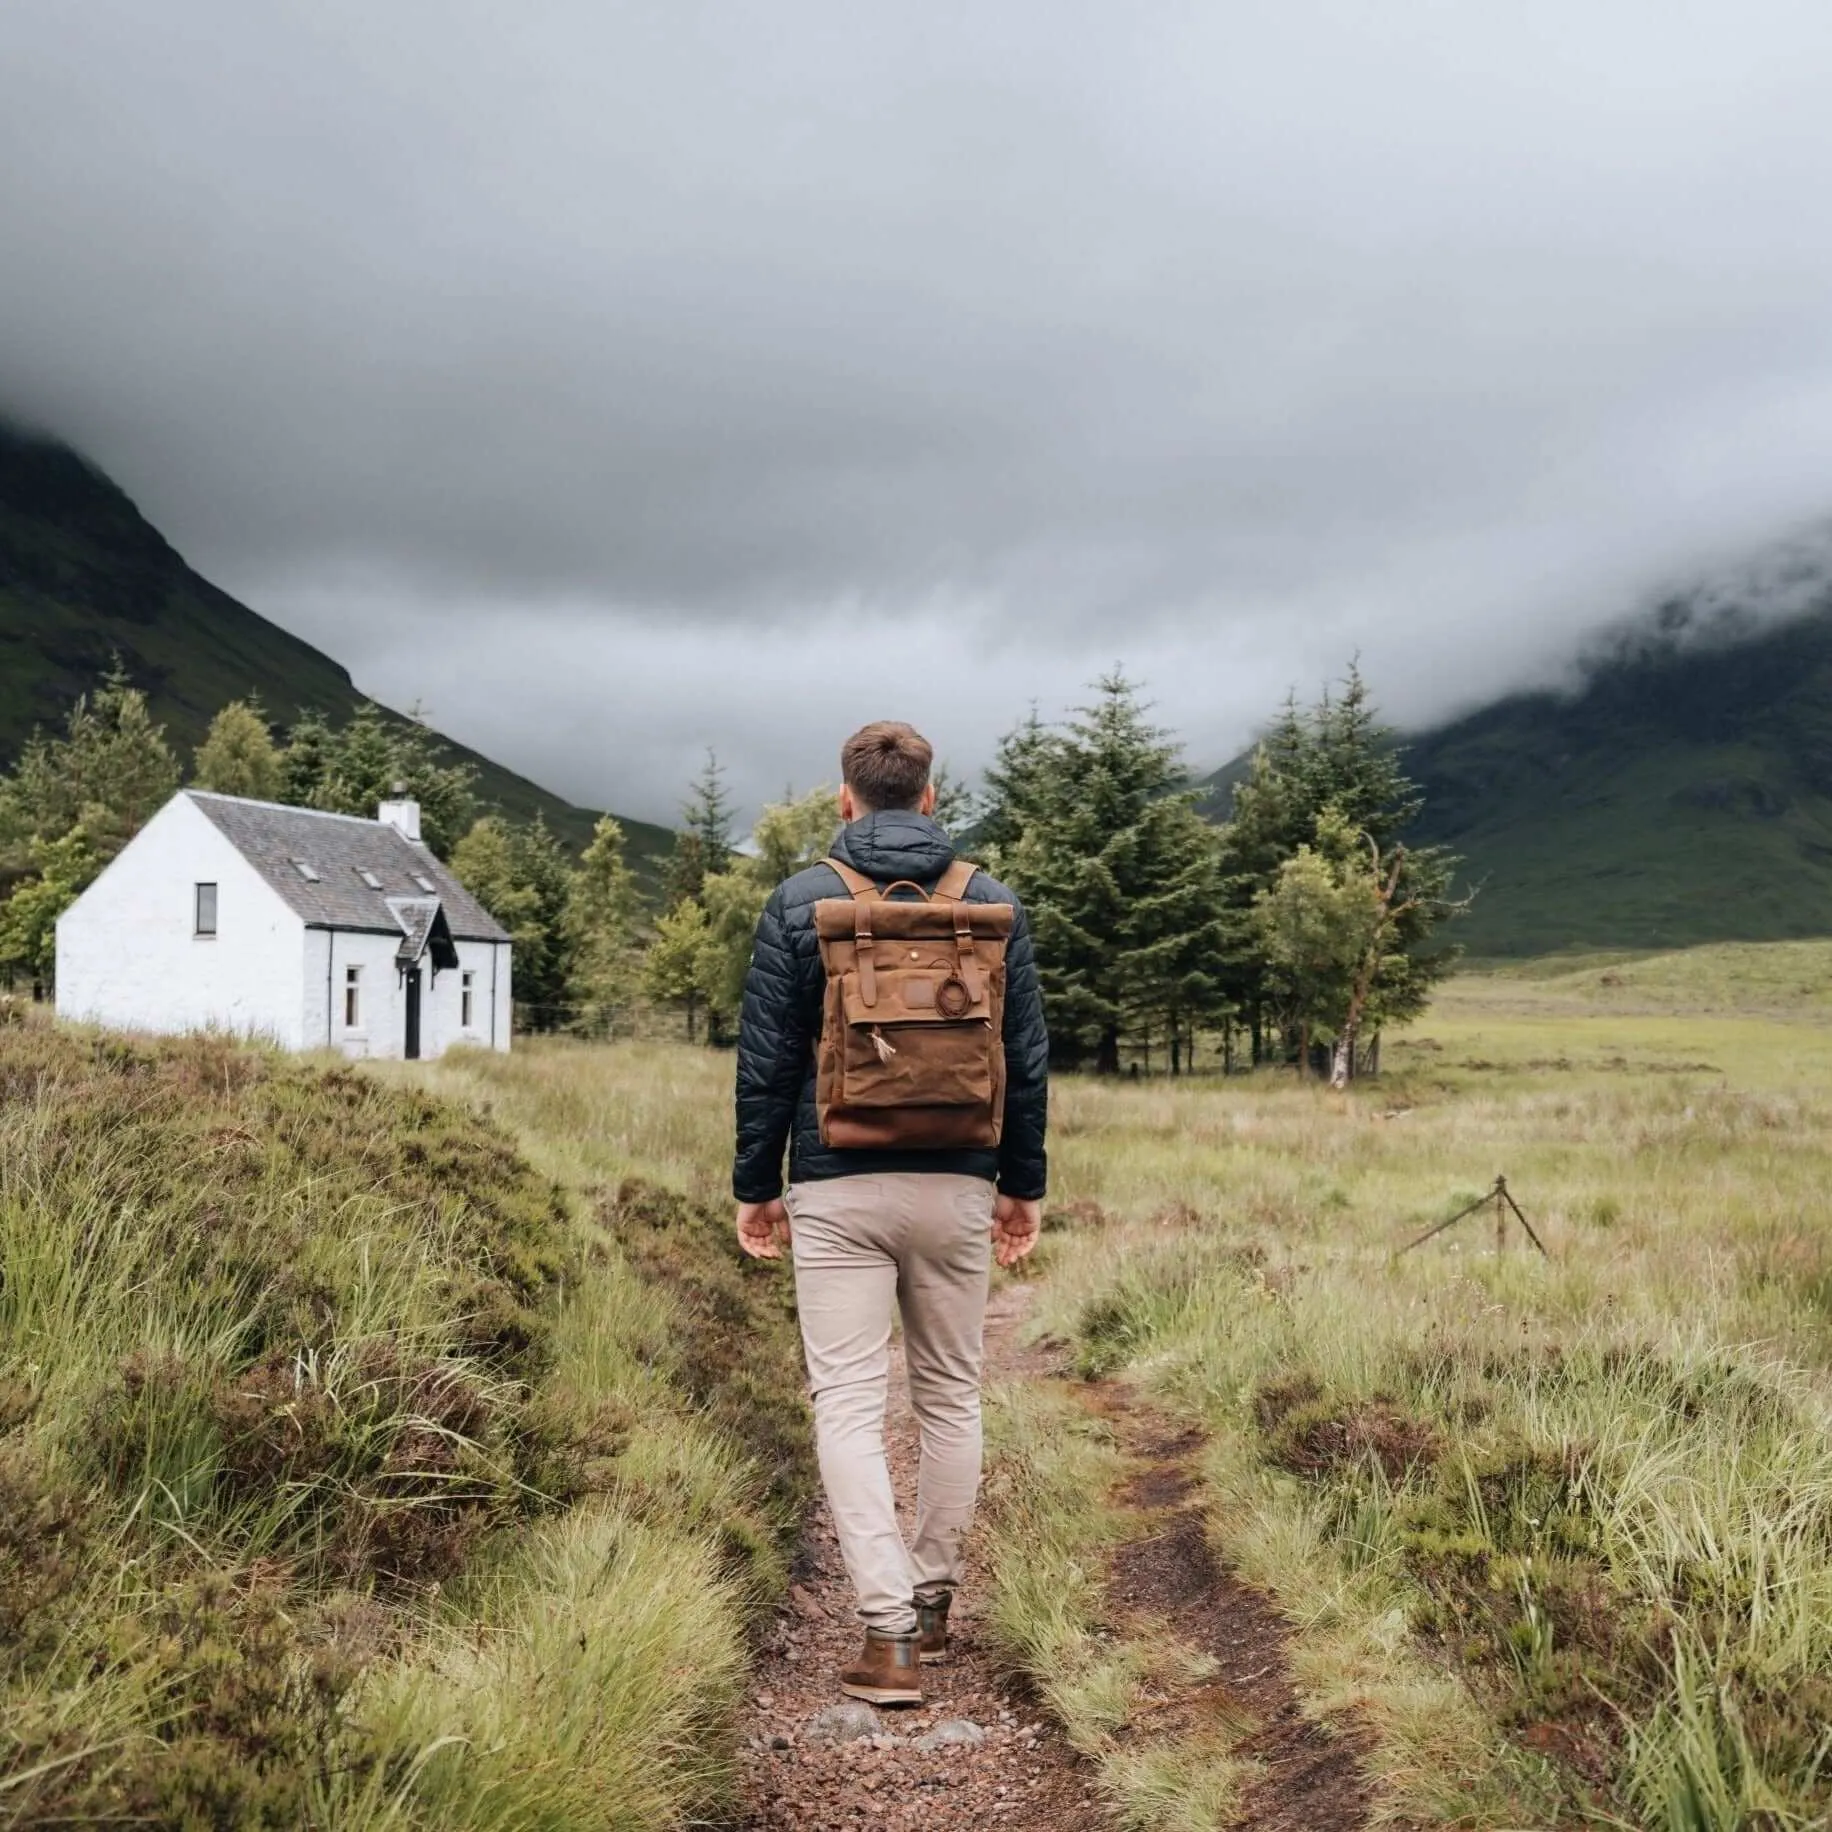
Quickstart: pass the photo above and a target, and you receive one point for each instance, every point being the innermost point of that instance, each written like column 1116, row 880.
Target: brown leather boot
column 932, row 1627
column 887, row 1673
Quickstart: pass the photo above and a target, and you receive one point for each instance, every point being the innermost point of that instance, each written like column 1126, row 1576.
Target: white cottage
column 304, row 928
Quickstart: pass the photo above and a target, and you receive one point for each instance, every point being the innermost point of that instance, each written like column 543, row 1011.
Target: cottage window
column 205, row 919
column 368, row 877
column 353, row 997
column 467, row 998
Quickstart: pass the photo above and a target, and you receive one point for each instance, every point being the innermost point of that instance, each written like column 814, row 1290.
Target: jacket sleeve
column 1023, row 1162
column 773, row 1046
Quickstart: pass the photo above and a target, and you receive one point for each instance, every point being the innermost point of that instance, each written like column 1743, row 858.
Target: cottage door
column 413, row 1014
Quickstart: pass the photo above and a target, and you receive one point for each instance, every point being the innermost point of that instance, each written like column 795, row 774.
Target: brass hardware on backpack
column 911, row 1052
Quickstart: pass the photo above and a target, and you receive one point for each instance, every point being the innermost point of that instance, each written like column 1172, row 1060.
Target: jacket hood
column 895, row 843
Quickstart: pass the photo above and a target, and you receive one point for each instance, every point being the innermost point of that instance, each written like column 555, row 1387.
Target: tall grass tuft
column 353, row 1473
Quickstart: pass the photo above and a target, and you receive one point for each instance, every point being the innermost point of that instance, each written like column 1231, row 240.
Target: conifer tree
column 68, row 806
column 238, row 755
column 703, row 842
column 1096, row 830
column 111, row 770
column 306, row 760
column 520, row 875
column 359, row 765
column 1017, row 789
column 370, row 759
column 1330, row 769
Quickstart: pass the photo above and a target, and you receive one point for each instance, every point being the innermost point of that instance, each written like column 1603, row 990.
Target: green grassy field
column 1559, row 1530
column 325, row 1396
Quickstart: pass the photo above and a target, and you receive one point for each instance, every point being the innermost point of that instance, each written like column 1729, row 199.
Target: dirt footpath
column 1308, row 1777
column 800, row 1776
column 1010, row 1767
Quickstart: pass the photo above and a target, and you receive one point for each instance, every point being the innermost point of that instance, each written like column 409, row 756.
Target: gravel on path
column 807, row 1768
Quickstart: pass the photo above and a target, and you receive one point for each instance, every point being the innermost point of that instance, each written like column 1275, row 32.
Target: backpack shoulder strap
column 953, row 883
column 856, row 882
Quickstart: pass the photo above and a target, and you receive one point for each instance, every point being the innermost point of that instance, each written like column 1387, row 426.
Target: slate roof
column 423, row 927
column 340, row 848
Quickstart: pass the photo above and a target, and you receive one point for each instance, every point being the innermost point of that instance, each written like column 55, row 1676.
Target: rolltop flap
column 895, row 920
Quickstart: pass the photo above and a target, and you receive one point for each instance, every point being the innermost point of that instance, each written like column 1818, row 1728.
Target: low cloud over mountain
column 620, row 380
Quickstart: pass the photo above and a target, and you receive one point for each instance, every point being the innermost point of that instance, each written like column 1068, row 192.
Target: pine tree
column 793, row 834
column 703, row 841
column 1096, row 830
column 446, row 792
column 1018, row 785
column 238, row 755
column 1272, row 815
column 1176, row 929
column 520, row 875
column 708, row 815
column 603, row 913
column 376, row 756
column 306, row 761
column 110, row 771
column 1335, row 767
column 684, row 871
column 359, row 765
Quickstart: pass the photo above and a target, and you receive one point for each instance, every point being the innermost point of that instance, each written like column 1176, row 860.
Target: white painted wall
column 381, row 1016
column 381, row 1027
column 128, row 955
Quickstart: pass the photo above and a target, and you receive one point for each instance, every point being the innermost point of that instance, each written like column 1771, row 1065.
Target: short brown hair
column 886, row 764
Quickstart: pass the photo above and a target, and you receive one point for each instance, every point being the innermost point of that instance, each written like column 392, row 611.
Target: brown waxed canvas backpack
column 912, row 1048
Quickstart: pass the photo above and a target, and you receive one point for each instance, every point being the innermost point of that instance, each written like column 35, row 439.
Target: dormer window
column 369, row 877
column 305, row 870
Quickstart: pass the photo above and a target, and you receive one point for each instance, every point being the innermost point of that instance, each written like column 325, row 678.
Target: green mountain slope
column 1682, row 795
column 84, row 577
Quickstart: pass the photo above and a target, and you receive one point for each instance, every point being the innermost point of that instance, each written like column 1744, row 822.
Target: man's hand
column 763, row 1228
column 1016, row 1223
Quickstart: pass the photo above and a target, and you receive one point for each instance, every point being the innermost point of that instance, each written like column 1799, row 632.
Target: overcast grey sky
column 619, row 379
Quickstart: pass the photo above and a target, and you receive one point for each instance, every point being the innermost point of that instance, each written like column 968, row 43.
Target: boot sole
column 883, row 1695
column 933, row 1659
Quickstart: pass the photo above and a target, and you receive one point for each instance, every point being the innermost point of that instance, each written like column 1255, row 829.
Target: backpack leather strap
column 864, row 950
column 856, row 882
column 952, row 885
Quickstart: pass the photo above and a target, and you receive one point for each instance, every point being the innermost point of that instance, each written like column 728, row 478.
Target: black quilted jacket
column 782, row 1019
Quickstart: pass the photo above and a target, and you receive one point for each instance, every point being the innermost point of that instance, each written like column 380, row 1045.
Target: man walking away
column 892, row 1038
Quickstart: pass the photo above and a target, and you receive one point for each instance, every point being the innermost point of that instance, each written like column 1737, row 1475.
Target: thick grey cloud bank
column 623, row 378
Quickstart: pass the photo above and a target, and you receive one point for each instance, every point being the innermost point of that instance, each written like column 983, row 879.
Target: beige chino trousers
column 921, row 1242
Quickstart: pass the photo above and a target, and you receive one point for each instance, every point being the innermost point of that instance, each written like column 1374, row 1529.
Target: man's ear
column 849, row 809
column 927, row 804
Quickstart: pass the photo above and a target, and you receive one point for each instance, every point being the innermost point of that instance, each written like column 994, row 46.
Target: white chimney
column 401, row 812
